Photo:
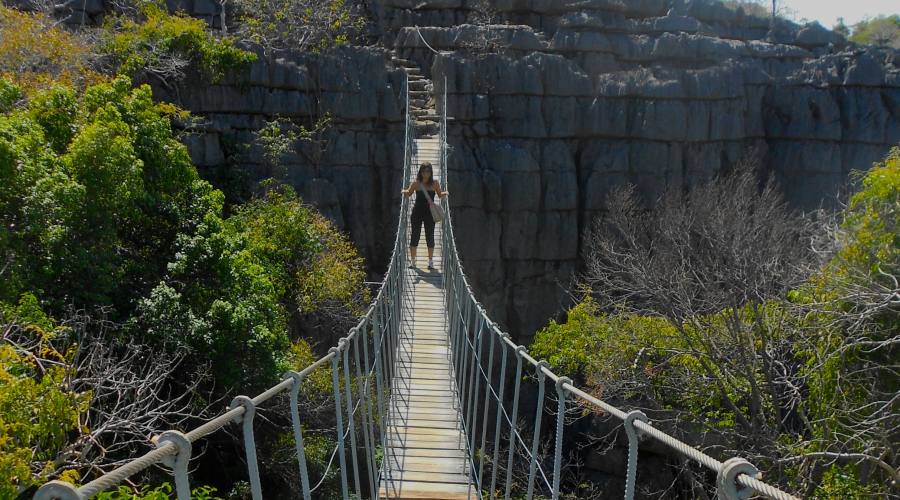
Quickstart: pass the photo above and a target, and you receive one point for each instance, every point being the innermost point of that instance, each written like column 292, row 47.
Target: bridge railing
column 362, row 368
column 476, row 342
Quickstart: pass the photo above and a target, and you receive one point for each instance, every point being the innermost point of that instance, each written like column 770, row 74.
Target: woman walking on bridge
column 426, row 187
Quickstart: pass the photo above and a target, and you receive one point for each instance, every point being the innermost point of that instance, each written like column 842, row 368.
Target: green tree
column 235, row 286
column 851, row 351
column 165, row 46
column 883, row 31
column 299, row 24
column 313, row 266
column 37, row 53
column 83, row 178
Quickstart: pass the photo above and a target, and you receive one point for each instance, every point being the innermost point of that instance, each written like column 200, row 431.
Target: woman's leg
column 429, row 236
column 415, row 233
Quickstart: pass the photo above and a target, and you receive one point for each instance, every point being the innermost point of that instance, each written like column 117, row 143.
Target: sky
column 827, row 11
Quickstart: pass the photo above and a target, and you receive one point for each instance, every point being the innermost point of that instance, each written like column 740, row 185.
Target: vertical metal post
column 338, row 414
column 560, row 427
column 631, row 432
column 385, row 324
column 473, row 379
column 387, row 373
column 446, row 136
column 374, row 410
column 363, row 380
column 379, row 396
column 395, row 328
column 406, row 145
column 249, row 443
column 298, row 432
column 456, row 343
column 387, row 350
column 456, row 318
column 351, row 423
column 487, row 402
column 536, row 439
column 473, row 401
column 462, row 384
column 514, row 425
column 179, row 462
column 500, row 410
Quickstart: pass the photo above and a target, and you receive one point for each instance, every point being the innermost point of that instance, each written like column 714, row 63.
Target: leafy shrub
column 36, row 413
column 312, row 265
column 880, row 30
column 627, row 355
column 164, row 44
column 872, row 238
column 850, row 354
column 162, row 492
column 83, row 177
column 36, row 53
column 843, row 483
column 233, row 286
column 9, row 95
column 299, row 24
column 568, row 346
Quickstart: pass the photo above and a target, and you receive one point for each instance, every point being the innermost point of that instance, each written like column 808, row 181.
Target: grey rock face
column 353, row 178
column 554, row 107
column 652, row 93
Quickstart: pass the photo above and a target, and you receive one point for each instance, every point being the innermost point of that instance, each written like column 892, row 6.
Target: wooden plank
column 430, row 384
column 414, row 490
column 432, row 443
column 433, row 477
column 425, row 371
column 449, row 465
column 427, row 421
column 395, row 451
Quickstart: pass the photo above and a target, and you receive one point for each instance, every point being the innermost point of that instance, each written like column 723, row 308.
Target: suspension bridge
column 426, row 388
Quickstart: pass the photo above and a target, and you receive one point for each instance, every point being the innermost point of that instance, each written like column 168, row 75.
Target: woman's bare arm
column 438, row 191
column 411, row 189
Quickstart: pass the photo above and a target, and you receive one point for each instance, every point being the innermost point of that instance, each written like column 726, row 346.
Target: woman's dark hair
column 422, row 167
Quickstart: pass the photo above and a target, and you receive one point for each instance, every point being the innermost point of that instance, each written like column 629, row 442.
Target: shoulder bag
column 437, row 211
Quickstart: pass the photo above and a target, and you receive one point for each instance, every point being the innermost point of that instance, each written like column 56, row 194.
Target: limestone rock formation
column 554, row 105
column 355, row 179
column 569, row 98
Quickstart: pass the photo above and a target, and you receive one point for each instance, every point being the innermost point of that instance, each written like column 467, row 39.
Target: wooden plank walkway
column 427, row 446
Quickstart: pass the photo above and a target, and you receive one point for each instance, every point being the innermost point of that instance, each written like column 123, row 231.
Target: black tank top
column 421, row 202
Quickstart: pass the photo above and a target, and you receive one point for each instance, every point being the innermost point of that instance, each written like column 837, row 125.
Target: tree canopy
column 103, row 211
column 883, row 31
